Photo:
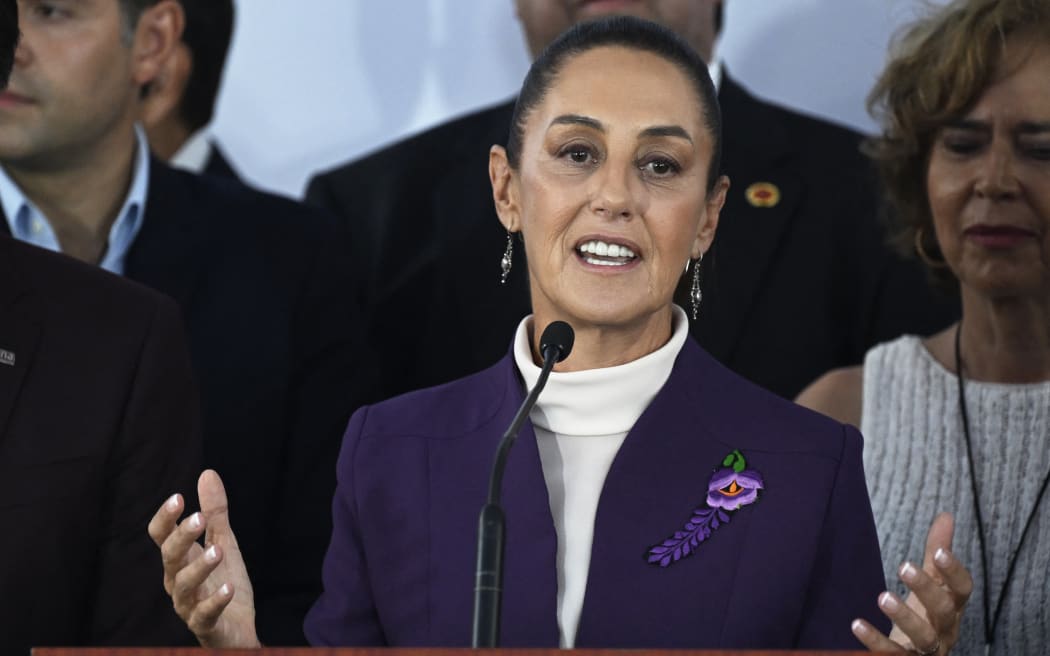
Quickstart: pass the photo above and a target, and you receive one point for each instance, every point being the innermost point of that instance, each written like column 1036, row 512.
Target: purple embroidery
column 731, row 487
column 686, row 541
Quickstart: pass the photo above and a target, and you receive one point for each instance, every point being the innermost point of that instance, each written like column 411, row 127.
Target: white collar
column 599, row 401
column 193, row 154
column 714, row 67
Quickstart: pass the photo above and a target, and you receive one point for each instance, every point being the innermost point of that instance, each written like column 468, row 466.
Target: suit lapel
column 531, row 576
column 657, row 479
column 168, row 251
column 5, row 230
column 459, row 470
column 19, row 335
column 217, row 164
column 530, row 580
column 749, row 233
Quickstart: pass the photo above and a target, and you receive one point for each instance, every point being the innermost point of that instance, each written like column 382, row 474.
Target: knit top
column 915, row 462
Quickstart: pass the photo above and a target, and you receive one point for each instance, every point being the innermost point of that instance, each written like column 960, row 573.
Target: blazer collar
column 657, row 479
column 459, row 477
column 750, row 127
column 168, row 252
column 13, row 283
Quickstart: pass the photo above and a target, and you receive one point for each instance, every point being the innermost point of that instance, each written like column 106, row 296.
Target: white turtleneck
column 580, row 421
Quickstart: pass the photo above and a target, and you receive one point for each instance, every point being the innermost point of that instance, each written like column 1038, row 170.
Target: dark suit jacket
column 791, row 570
column 790, row 291
column 271, row 312
column 218, row 164
column 99, row 423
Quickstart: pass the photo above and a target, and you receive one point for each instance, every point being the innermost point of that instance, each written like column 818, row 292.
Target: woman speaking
column 654, row 499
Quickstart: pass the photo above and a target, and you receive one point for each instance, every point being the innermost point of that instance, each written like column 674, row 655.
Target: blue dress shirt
column 29, row 224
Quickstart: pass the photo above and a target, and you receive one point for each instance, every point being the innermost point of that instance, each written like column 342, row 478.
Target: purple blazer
column 790, row 571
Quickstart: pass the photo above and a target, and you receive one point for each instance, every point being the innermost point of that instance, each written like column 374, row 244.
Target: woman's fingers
column 192, row 574
column 922, row 635
column 939, row 604
column 176, row 547
column 928, row 623
column 165, row 519
column 956, row 577
column 941, row 597
column 186, row 591
column 206, row 614
column 212, row 495
column 872, row 638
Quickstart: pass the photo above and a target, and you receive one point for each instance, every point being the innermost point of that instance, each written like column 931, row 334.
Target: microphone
column 555, row 345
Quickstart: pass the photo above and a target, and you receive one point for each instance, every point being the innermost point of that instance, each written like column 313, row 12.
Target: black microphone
column 555, row 346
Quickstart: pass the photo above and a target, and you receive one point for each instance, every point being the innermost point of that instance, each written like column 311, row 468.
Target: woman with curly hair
column 960, row 421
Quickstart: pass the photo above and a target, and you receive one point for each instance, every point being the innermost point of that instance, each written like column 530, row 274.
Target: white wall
column 313, row 83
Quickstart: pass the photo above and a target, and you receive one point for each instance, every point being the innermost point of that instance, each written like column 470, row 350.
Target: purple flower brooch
column 731, row 487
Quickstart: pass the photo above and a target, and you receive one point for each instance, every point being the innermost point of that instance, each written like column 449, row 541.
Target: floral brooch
column 731, row 487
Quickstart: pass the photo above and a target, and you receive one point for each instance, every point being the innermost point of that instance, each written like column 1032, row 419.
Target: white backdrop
column 313, row 83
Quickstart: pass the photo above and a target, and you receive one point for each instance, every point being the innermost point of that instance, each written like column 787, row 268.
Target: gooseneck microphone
column 555, row 346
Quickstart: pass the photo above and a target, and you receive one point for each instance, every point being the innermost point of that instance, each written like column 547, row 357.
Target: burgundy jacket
column 99, row 423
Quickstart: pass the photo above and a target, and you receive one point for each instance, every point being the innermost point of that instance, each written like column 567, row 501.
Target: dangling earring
column 923, row 255
column 695, row 294
column 507, row 261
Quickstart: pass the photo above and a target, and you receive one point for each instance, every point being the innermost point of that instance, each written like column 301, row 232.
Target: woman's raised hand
column 209, row 585
column 927, row 623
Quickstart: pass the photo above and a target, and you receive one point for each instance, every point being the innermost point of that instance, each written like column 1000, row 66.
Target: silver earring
column 695, row 294
column 507, row 261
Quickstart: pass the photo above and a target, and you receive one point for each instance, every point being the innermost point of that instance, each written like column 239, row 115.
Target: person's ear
column 705, row 231
column 505, row 189
column 160, row 103
column 157, row 34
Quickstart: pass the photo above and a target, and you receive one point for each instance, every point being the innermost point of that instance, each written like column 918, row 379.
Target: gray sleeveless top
column 915, row 462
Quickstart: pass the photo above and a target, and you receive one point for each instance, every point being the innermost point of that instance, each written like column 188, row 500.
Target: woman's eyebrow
column 667, row 131
column 576, row 119
column 1033, row 128
column 595, row 124
column 969, row 124
column 1026, row 127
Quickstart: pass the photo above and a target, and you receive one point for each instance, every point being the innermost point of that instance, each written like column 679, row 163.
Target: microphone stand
column 488, row 582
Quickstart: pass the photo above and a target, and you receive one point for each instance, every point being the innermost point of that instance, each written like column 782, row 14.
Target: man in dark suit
column 262, row 282
column 798, row 281
column 99, row 420
column 180, row 101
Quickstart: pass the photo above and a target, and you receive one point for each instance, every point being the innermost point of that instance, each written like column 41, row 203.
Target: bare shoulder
column 838, row 394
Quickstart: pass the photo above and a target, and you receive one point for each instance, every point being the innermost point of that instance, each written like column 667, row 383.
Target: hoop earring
column 507, row 261
column 695, row 293
column 923, row 255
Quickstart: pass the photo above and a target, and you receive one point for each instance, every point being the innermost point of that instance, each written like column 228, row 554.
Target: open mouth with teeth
column 602, row 253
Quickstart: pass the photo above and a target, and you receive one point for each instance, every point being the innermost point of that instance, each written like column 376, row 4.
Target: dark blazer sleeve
column 849, row 565
column 157, row 450
column 345, row 613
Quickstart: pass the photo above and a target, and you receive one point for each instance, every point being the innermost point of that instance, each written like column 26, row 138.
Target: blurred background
column 313, row 83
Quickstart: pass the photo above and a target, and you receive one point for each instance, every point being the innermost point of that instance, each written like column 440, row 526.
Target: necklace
column 991, row 620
